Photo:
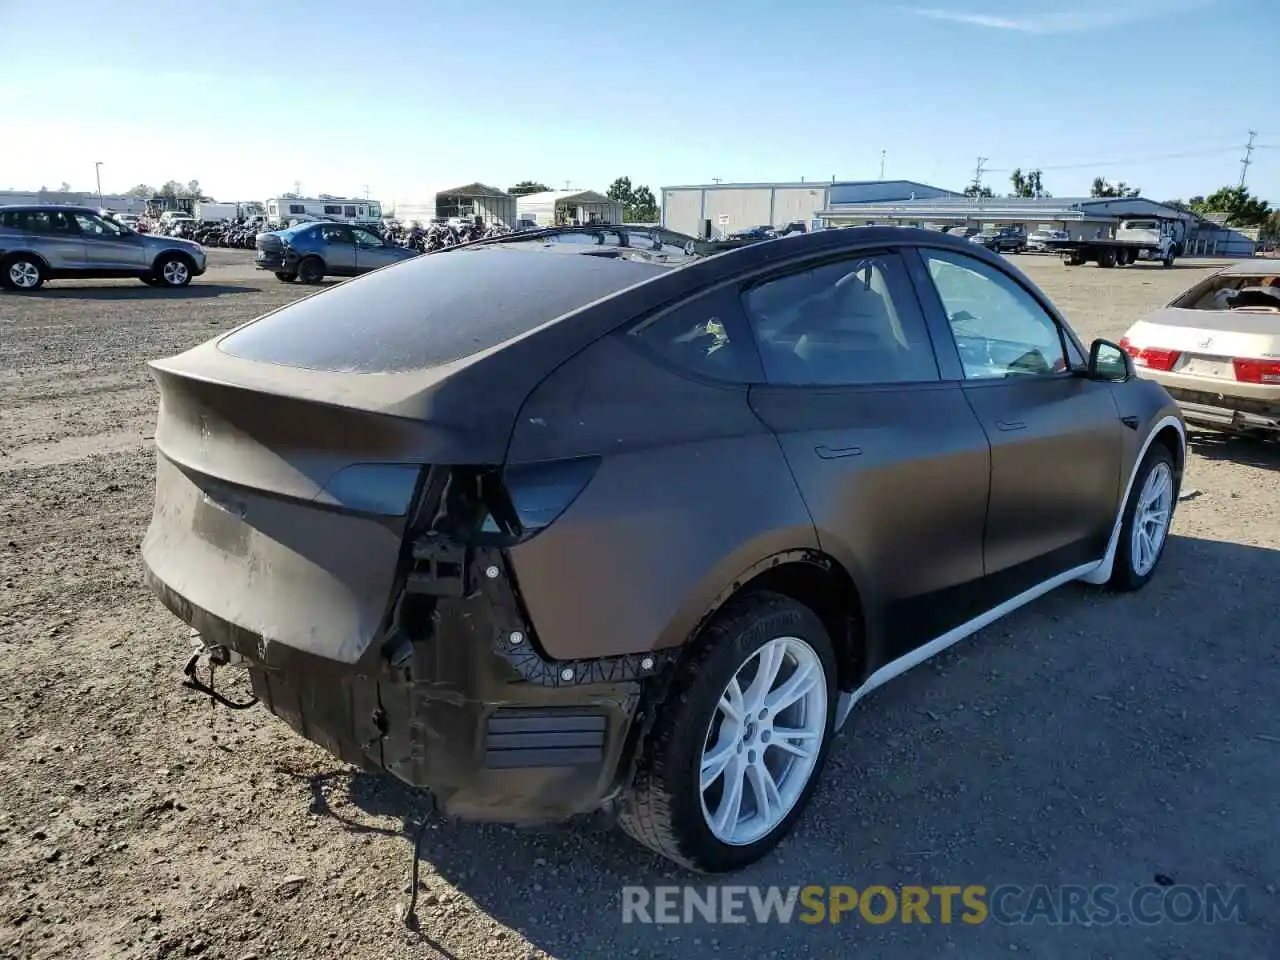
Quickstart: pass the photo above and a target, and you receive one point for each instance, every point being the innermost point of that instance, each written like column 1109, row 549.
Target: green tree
column 621, row 191
column 193, row 189
column 1103, row 188
column 1242, row 208
column 526, row 187
column 643, row 207
column 974, row 191
column 141, row 190
column 64, row 187
column 1029, row 184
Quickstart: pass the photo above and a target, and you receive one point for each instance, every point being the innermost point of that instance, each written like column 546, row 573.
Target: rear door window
column 851, row 322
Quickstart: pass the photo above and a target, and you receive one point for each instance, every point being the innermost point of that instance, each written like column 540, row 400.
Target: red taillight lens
column 1257, row 371
column 1153, row 358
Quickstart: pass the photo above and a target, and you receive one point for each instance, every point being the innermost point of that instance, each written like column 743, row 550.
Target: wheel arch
column 816, row 579
column 23, row 252
column 173, row 252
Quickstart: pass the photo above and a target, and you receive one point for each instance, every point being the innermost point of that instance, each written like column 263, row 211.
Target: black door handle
column 835, row 453
column 1010, row 425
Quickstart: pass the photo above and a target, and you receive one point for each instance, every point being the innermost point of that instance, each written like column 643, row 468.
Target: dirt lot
column 1087, row 739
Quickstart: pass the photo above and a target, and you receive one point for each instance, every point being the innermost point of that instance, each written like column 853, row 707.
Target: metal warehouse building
column 1081, row 217
column 492, row 205
column 721, row 208
column 567, row 206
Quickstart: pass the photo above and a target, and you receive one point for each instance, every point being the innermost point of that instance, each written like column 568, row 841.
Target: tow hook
column 218, row 656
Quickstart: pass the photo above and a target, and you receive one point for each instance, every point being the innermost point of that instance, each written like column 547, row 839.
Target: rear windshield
column 431, row 310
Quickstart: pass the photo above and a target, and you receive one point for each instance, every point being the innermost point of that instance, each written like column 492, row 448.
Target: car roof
column 41, row 207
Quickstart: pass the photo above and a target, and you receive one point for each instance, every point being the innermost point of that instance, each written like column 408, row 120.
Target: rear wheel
column 22, row 272
column 286, row 277
column 1122, row 258
column 1106, row 257
column 311, row 270
column 736, row 749
column 1147, row 516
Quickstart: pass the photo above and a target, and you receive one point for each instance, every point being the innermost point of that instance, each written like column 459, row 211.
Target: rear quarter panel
column 692, row 492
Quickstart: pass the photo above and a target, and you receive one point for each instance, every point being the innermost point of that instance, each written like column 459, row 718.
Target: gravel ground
column 1086, row 739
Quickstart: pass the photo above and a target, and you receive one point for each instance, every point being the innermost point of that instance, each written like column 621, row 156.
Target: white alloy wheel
column 1151, row 519
column 763, row 742
column 24, row 275
column 175, row 273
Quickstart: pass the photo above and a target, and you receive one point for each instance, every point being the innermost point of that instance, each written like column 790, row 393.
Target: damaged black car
column 610, row 520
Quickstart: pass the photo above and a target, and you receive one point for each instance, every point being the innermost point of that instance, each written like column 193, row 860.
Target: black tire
column 1074, row 259
column 663, row 808
column 284, row 277
column 1125, row 575
column 23, row 265
column 172, row 270
column 1168, row 261
column 1106, row 258
column 311, row 270
column 1122, row 258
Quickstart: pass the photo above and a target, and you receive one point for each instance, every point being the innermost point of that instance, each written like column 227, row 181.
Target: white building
column 566, row 206
column 705, row 210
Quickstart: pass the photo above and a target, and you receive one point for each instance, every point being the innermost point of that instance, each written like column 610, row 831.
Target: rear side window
column 431, row 310
column 706, row 336
column 852, row 322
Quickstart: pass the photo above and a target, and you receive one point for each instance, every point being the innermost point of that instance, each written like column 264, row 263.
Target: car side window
column 852, row 322
column 96, row 226
column 367, row 239
column 704, row 336
column 334, row 235
column 1000, row 329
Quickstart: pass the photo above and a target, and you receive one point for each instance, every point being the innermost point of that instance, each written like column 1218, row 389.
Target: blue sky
column 410, row 97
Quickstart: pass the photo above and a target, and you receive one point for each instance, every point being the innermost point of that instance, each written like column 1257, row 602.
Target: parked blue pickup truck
column 309, row 252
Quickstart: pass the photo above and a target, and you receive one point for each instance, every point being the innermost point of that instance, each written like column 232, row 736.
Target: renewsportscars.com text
column 973, row 904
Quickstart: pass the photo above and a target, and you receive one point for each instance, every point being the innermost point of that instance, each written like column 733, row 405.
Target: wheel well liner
column 822, row 584
column 1171, row 439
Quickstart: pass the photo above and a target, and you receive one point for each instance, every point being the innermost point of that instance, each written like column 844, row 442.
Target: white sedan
column 1216, row 349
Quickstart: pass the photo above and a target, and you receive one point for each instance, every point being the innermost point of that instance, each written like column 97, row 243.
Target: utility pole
column 366, row 191
column 1247, row 158
column 97, row 172
column 977, row 175
column 882, row 156
column 297, row 188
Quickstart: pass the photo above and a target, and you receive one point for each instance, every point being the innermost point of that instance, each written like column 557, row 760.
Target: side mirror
column 1109, row 362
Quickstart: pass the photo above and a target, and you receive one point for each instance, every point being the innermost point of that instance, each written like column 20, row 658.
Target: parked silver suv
column 40, row 242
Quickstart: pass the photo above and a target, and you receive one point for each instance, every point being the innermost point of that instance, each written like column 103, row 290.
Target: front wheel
column 286, row 277
column 737, row 747
column 173, row 271
column 1147, row 516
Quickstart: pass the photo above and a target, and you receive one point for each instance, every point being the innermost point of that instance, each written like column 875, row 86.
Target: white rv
column 283, row 209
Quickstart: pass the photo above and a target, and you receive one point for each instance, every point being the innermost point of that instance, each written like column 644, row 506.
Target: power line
column 1210, row 151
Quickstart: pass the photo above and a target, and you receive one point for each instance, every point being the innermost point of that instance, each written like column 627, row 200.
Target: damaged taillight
column 385, row 489
column 541, row 492
column 1153, row 358
column 1256, row 371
